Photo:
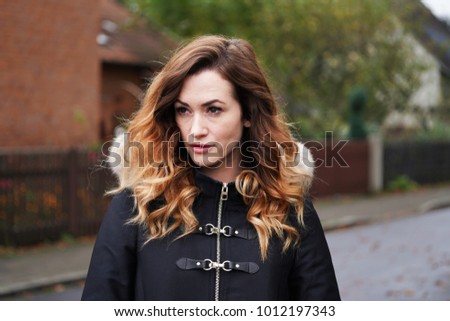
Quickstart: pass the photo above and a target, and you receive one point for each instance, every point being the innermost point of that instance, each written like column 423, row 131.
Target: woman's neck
column 228, row 170
column 225, row 174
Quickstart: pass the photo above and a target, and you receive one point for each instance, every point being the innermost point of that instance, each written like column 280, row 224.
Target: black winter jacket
column 221, row 261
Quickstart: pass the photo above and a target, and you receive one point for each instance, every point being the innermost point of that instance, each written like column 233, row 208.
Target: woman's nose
column 198, row 128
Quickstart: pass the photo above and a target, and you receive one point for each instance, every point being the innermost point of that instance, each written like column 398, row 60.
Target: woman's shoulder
column 311, row 219
column 124, row 196
column 123, row 204
column 308, row 206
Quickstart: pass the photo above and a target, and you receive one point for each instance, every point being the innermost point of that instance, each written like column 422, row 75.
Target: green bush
column 402, row 183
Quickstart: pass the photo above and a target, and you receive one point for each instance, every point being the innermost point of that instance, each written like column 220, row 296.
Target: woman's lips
column 199, row 148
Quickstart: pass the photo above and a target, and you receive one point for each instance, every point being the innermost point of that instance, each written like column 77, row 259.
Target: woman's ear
column 247, row 123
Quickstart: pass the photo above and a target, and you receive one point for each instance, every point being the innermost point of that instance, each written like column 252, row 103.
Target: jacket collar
column 211, row 187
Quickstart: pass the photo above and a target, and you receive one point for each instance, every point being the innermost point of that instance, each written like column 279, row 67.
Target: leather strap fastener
column 210, row 229
column 207, row 264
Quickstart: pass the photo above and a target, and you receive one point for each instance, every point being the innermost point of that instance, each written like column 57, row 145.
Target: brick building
column 130, row 51
column 69, row 69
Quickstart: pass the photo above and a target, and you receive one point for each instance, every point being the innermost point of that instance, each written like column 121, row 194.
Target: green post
column 357, row 99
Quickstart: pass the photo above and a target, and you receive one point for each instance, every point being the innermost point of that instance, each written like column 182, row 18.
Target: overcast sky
column 440, row 8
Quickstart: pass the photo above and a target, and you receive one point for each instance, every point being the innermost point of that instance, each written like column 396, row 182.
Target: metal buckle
column 209, row 265
column 226, row 231
column 225, row 268
column 210, row 229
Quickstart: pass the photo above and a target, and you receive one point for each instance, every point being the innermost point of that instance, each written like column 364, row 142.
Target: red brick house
column 68, row 69
column 130, row 52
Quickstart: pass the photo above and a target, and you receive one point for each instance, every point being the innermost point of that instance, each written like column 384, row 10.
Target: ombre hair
column 159, row 171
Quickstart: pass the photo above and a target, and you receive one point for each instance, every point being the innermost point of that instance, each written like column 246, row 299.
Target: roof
column 124, row 39
column 437, row 35
column 432, row 32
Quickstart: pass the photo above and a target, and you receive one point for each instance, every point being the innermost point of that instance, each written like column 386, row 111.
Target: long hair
column 270, row 183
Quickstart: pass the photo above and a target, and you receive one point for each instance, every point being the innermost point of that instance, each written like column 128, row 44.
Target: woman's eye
column 214, row 110
column 181, row 110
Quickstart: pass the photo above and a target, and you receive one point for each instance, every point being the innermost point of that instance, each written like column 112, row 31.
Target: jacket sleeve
column 312, row 277
column 112, row 268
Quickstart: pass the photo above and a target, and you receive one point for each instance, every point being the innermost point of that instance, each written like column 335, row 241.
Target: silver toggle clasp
column 211, row 229
column 216, row 265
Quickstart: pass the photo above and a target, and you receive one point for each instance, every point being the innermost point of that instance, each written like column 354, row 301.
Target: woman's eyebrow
column 181, row 102
column 212, row 102
column 209, row 102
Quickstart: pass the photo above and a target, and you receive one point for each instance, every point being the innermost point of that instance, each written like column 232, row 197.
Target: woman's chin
column 212, row 163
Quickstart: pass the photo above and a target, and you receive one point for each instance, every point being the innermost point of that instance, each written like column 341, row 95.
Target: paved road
column 404, row 259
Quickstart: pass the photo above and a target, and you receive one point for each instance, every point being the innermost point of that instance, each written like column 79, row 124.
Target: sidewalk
column 32, row 269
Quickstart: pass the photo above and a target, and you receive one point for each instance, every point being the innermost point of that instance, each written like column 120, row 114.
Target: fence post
column 73, row 187
column 376, row 169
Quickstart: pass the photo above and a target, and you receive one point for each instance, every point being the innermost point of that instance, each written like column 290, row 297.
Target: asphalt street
column 402, row 259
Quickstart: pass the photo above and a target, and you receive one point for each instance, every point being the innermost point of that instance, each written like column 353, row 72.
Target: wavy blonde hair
column 158, row 169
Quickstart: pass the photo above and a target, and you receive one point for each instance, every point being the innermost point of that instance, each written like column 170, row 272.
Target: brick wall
column 342, row 167
column 49, row 73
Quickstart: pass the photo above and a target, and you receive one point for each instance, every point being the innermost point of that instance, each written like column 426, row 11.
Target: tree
column 316, row 51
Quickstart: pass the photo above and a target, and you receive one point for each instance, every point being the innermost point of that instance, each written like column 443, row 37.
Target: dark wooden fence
column 44, row 195
column 423, row 162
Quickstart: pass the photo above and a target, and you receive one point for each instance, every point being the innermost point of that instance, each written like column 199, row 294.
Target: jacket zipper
column 223, row 197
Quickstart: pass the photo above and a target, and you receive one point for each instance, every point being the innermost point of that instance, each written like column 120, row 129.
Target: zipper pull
column 224, row 193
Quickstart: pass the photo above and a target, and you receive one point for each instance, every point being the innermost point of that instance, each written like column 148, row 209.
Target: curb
column 39, row 283
column 434, row 204
column 361, row 220
column 344, row 222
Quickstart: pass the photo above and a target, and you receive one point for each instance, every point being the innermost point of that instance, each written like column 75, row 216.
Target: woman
column 211, row 203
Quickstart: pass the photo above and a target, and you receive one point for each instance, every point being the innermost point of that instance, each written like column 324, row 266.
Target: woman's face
column 210, row 121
